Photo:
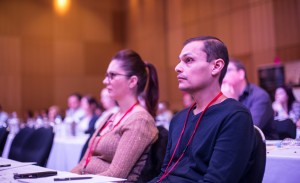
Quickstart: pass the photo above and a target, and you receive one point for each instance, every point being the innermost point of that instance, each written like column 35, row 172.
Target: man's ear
column 133, row 81
column 218, row 65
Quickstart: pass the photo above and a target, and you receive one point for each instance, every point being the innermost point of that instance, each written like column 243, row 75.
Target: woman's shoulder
column 140, row 114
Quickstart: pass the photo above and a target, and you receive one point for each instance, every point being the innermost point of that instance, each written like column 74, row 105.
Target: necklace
column 91, row 149
column 166, row 173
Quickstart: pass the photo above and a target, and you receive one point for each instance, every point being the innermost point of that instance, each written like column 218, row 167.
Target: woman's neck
column 126, row 103
column 285, row 106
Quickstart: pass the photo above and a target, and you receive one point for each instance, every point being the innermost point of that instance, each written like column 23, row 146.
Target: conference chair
column 18, row 142
column 257, row 170
column 3, row 137
column 285, row 129
column 38, row 146
column 156, row 156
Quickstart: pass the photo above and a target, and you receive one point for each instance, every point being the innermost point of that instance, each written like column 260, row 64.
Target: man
column 214, row 139
column 110, row 107
column 236, row 85
column 74, row 113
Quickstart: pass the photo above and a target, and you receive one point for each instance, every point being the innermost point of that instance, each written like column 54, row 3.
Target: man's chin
column 182, row 88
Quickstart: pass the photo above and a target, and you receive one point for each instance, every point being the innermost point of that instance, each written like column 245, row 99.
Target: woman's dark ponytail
column 152, row 90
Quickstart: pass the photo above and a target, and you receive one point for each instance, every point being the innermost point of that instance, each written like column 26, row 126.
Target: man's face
column 73, row 102
column 193, row 70
column 233, row 75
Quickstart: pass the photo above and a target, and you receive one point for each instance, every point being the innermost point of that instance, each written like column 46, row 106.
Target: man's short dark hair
column 214, row 49
column 77, row 95
column 239, row 66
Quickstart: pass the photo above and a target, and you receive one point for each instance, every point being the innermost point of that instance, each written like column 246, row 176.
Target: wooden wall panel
column 71, row 52
column 45, row 57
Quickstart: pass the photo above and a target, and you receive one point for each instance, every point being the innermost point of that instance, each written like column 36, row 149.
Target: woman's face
column 280, row 95
column 116, row 81
column 84, row 104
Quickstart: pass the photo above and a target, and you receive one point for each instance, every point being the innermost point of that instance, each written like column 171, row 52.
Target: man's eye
column 187, row 60
column 112, row 75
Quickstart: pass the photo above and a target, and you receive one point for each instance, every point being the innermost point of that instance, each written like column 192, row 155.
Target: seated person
column 164, row 115
column 110, row 106
column 120, row 145
column 87, row 123
column 285, row 105
column 257, row 100
column 214, row 139
column 74, row 113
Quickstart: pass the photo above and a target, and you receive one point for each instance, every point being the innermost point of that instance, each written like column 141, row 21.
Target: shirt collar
column 245, row 92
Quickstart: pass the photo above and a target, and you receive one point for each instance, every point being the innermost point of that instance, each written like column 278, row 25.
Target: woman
column 120, row 144
column 89, row 105
column 285, row 104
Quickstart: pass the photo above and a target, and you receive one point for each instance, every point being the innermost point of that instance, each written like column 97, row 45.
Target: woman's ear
column 133, row 81
column 218, row 65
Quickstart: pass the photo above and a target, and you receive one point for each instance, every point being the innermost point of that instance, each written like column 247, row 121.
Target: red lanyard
column 166, row 173
column 91, row 149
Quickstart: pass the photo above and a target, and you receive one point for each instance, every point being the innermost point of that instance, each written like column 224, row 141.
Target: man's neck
column 202, row 99
column 241, row 88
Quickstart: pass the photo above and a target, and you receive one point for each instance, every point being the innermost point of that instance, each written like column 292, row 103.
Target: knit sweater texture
column 122, row 152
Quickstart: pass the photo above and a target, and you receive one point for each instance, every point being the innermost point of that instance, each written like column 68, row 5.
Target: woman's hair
column 133, row 64
column 291, row 98
column 93, row 103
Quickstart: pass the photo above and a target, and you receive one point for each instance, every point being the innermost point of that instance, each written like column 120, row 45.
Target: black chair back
column 258, row 157
column 3, row 136
column 38, row 146
column 18, row 142
column 285, row 129
column 156, row 156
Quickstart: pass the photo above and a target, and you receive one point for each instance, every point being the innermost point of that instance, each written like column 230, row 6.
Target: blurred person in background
column 74, row 113
column 3, row 116
column 164, row 115
column 86, row 125
column 236, row 85
column 285, row 105
column 30, row 118
column 54, row 115
column 109, row 105
column 120, row 145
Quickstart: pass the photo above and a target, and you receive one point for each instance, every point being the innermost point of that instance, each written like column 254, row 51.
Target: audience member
column 164, row 115
column 54, row 115
column 29, row 118
column 74, row 112
column 3, row 115
column 213, row 140
column 110, row 106
column 257, row 100
column 120, row 145
column 87, row 123
column 285, row 104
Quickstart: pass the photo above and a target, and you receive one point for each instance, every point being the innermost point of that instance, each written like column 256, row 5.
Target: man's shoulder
column 257, row 91
column 256, row 88
column 232, row 105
